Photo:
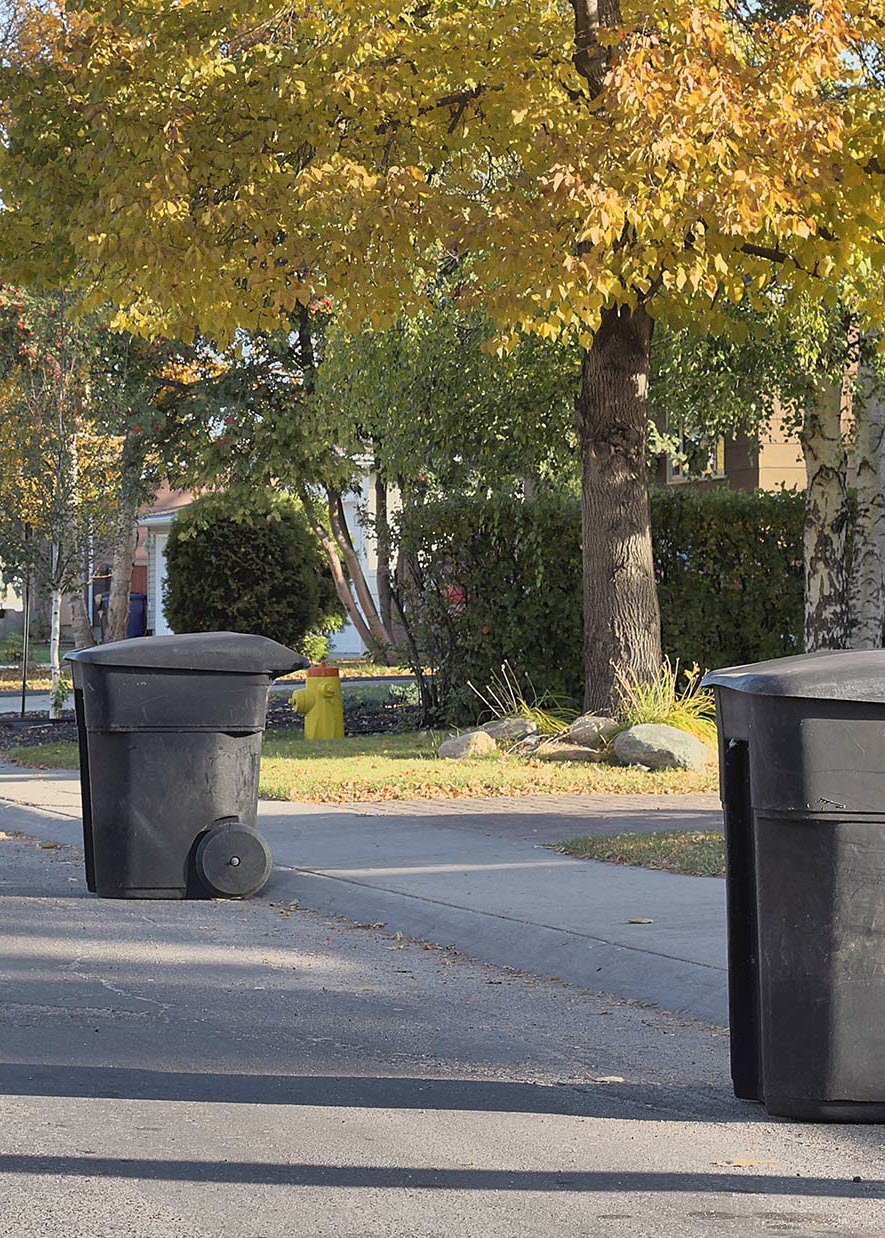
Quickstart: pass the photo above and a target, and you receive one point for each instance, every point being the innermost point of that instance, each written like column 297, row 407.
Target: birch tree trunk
column 382, row 540
column 55, row 643
column 867, row 589
column 826, row 519
column 83, row 635
column 333, row 558
column 622, row 629
column 381, row 640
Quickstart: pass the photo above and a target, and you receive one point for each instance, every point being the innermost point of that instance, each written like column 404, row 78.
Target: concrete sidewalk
column 471, row 876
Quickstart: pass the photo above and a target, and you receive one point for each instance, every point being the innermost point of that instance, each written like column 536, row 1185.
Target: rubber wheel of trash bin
column 233, row 860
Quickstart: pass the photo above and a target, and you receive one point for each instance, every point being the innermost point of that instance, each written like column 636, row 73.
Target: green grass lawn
column 694, row 852
column 38, row 669
column 393, row 767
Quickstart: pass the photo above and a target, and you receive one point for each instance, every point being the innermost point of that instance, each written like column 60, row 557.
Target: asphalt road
column 253, row 1070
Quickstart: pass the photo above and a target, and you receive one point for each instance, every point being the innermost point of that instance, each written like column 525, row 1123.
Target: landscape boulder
column 529, row 746
column 470, row 744
column 561, row 750
column 510, row 730
column 661, row 747
column 592, row 730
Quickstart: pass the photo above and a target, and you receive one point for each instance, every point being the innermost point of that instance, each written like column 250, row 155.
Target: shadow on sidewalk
column 639, row 1101
column 380, row 1177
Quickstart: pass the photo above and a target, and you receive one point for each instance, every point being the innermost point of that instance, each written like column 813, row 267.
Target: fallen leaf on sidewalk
column 378, row 924
column 638, row 920
column 741, row 1162
column 48, row 846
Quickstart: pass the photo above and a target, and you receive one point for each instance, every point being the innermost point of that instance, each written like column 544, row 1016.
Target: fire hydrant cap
column 322, row 669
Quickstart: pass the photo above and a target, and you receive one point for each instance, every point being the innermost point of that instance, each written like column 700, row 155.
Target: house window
column 694, row 460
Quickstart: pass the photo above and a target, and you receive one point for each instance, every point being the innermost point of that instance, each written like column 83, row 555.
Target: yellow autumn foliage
column 210, row 165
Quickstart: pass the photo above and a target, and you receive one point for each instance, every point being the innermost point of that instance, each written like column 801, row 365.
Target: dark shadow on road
column 258, row 1173
column 645, row 1102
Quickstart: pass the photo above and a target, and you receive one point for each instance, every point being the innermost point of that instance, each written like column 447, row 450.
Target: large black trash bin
column 802, row 780
column 170, row 742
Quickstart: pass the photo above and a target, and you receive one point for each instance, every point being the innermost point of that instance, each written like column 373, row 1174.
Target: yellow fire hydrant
column 321, row 703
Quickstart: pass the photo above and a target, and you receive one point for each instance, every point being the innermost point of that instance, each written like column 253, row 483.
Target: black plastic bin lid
column 235, row 652
column 829, row 675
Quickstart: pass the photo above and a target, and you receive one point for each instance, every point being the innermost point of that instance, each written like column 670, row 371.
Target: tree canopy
column 213, row 165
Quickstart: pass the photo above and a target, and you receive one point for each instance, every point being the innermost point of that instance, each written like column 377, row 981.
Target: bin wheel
column 233, row 860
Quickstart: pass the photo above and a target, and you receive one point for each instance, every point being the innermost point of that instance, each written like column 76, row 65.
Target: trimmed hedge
column 491, row 581
column 730, row 576
column 256, row 568
column 500, row 580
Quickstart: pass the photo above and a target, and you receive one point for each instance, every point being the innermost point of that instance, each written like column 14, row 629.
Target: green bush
column 256, row 568
column 495, row 581
column 499, row 580
column 13, row 647
column 730, row 577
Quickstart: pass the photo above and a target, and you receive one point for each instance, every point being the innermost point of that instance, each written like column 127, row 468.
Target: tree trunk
column 826, row 519
column 382, row 540
column 121, row 574
column 55, row 646
column 83, row 635
column 622, row 631
column 339, row 579
column 867, row 589
column 381, row 640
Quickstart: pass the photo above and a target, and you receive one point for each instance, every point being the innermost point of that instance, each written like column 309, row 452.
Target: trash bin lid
column 828, row 675
column 234, row 652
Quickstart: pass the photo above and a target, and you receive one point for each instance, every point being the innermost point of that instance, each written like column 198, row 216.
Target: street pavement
column 480, row 878
column 264, row 1069
column 11, row 702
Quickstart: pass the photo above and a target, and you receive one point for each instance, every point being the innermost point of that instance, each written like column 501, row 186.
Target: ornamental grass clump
column 662, row 700
column 504, row 697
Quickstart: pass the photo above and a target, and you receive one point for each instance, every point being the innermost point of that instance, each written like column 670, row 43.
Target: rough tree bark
column 622, row 626
column 121, row 574
column 826, row 519
column 867, row 586
column 82, row 628
column 621, row 617
column 129, row 498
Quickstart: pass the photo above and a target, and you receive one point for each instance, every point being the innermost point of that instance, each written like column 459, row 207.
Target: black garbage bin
column 802, row 780
column 170, row 743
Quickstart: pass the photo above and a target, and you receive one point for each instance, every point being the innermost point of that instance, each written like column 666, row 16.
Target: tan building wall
column 780, row 458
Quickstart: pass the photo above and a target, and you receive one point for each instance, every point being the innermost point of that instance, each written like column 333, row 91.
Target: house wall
column 780, row 458
column 11, row 611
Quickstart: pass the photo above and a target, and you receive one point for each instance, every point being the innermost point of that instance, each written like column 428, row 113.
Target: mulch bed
column 35, row 728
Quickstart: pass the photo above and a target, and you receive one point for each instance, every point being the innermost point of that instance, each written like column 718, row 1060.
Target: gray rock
column 529, row 746
column 470, row 744
column 661, row 747
column 561, row 750
column 510, row 729
column 591, row 729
